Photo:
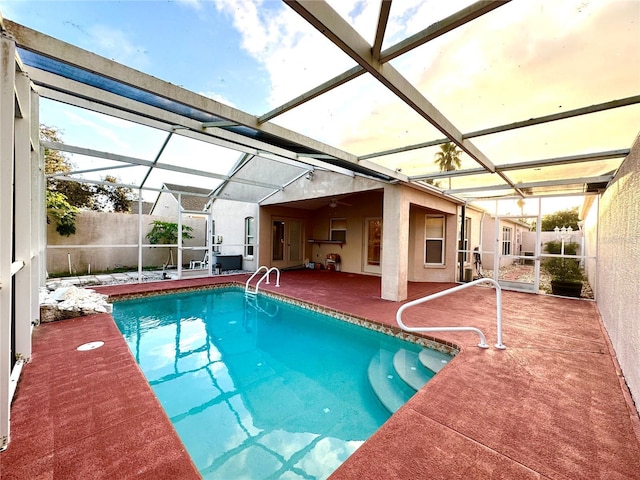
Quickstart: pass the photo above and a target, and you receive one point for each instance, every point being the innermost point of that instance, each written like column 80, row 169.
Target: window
column 249, row 236
column 434, row 240
column 506, row 241
column 338, row 230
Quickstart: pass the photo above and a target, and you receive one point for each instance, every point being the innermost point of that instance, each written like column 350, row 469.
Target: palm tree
column 448, row 158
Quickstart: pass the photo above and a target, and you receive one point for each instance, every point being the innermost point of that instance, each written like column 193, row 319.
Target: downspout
column 463, row 212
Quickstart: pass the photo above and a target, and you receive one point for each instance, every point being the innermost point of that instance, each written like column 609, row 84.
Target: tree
column 112, row 197
column 448, row 158
column 59, row 209
column 167, row 233
column 64, row 214
column 76, row 194
column 80, row 195
column 561, row 218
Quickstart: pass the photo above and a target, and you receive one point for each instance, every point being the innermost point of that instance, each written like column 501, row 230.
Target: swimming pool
column 264, row 389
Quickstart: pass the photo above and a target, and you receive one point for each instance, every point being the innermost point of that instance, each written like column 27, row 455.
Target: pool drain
column 90, row 346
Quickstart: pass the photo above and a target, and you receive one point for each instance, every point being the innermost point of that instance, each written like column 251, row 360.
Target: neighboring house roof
column 146, row 208
column 195, row 203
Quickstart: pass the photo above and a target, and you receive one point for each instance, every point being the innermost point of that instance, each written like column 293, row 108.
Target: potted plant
column 566, row 274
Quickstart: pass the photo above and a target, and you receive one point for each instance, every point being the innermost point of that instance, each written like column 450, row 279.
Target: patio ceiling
column 523, row 138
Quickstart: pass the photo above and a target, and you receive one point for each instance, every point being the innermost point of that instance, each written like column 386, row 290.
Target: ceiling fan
column 335, row 202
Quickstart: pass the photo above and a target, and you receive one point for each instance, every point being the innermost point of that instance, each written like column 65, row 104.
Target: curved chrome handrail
column 483, row 341
column 246, row 285
column 265, row 276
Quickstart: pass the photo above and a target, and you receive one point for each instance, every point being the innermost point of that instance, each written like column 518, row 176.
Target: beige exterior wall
column 361, row 207
column 490, row 244
column 166, row 205
column 421, row 204
column 618, row 290
column 316, row 226
column 102, row 228
column 418, row 271
column 402, row 209
column 478, row 218
column 229, row 218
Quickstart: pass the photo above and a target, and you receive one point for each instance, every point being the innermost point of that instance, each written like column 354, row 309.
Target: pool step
column 433, row 360
column 410, row 369
column 396, row 376
column 390, row 389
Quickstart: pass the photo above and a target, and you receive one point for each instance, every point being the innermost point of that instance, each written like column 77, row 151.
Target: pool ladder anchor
column 247, row 287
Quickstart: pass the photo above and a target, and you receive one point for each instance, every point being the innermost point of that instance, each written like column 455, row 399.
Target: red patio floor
column 552, row 405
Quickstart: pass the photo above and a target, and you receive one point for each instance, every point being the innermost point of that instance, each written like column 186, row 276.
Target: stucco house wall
column 365, row 200
column 418, row 271
column 166, row 205
column 316, row 226
column 229, row 218
column 617, row 291
column 360, row 207
column 491, row 245
column 421, row 204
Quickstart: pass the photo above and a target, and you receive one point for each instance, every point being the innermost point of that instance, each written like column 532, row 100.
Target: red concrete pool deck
column 552, row 405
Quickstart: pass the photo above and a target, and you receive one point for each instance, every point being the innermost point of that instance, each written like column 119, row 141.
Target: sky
column 525, row 59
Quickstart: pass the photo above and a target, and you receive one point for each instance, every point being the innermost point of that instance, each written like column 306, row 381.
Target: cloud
column 522, row 60
column 98, row 129
column 218, row 98
column 116, row 45
column 195, row 4
column 294, row 55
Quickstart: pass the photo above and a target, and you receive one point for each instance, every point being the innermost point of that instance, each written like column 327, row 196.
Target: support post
column 7, row 119
column 22, row 221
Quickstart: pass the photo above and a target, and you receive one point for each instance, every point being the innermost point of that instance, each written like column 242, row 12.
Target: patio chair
column 200, row 263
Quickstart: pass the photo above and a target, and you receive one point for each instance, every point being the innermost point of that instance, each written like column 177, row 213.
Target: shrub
column 563, row 269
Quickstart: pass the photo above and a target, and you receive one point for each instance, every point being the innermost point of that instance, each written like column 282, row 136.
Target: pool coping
column 426, row 341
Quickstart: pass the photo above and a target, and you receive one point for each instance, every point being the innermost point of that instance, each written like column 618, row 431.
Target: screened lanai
column 542, row 99
column 384, row 95
column 389, row 85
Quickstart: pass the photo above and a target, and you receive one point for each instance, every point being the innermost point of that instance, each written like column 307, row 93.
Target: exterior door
column 286, row 243
column 372, row 247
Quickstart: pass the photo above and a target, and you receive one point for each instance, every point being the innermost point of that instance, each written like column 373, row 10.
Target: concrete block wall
column 102, row 228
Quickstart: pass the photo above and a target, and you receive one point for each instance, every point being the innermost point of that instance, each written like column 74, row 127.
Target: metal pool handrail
column 483, row 341
column 266, row 275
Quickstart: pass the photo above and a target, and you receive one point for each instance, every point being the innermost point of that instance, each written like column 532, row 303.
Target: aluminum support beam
column 433, row 31
column 120, row 107
column 550, row 162
column 336, row 81
column 22, row 222
column 440, row 28
column 63, row 147
column 383, row 19
column 7, row 118
column 548, row 183
column 72, row 55
column 622, row 102
column 336, row 29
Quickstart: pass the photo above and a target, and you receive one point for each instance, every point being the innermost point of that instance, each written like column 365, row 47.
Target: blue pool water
column 264, row 389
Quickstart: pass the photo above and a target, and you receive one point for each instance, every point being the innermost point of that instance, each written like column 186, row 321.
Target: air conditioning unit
column 217, row 239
